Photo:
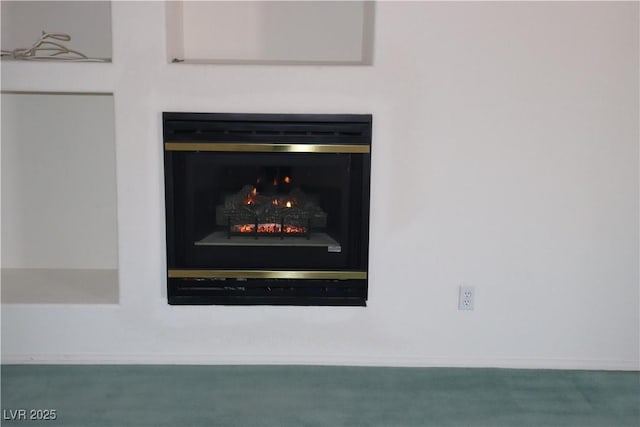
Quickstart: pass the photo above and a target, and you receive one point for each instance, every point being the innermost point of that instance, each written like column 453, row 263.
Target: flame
column 287, row 180
column 251, row 196
column 288, row 204
column 275, row 181
column 275, row 202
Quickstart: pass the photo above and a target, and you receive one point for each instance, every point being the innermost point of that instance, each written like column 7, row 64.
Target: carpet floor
column 282, row 396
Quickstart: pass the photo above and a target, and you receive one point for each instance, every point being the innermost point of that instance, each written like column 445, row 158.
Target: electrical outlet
column 466, row 297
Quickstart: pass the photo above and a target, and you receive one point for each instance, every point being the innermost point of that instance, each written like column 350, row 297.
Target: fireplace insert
column 267, row 208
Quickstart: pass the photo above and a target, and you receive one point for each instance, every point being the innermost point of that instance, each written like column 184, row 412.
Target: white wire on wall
column 47, row 49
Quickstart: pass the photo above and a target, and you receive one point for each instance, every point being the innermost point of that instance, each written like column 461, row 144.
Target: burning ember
column 268, row 228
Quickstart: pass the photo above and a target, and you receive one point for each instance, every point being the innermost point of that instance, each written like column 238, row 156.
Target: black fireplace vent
column 286, row 128
column 273, row 292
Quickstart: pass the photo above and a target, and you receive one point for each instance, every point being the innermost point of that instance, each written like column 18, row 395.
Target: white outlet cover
column 466, row 297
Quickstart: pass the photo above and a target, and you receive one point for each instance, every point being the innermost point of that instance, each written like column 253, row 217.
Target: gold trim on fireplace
column 266, row 148
column 265, row 274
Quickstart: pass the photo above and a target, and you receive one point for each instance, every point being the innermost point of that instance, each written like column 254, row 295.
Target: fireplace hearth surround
column 267, row 208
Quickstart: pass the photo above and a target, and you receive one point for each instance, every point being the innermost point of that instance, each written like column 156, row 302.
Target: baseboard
column 335, row 360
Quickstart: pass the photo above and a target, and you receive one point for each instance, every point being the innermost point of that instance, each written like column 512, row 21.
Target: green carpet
column 281, row 396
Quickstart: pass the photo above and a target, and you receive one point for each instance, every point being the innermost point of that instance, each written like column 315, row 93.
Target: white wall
column 87, row 22
column 505, row 156
column 58, row 182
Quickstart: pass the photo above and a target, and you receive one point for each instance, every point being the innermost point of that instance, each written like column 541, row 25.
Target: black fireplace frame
column 276, row 133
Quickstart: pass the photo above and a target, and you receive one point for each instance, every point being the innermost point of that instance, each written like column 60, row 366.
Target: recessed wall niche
column 87, row 22
column 270, row 32
column 59, row 224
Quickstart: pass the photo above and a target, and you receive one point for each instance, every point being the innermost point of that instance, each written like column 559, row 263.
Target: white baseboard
column 336, row 360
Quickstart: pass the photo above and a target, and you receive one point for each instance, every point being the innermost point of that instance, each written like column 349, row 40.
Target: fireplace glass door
column 267, row 210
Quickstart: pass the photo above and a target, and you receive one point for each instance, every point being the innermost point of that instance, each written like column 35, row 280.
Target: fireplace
column 267, row 208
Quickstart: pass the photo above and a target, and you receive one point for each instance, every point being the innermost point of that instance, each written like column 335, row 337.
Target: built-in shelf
column 58, row 77
column 59, row 286
column 59, row 232
column 270, row 32
column 59, row 216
